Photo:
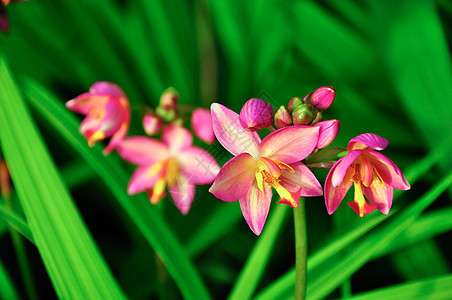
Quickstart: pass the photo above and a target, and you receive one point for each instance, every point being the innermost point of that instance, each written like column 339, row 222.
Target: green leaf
column 74, row 264
column 16, row 222
column 432, row 288
column 251, row 273
column 145, row 216
column 7, row 288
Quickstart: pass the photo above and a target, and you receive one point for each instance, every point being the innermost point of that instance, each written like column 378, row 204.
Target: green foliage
column 389, row 62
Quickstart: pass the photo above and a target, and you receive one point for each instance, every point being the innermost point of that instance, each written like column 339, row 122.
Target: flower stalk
column 301, row 250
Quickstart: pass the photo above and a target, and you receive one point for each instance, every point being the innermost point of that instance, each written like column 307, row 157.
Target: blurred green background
column 389, row 62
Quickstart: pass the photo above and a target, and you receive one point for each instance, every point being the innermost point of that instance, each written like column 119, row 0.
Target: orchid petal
column 231, row 134
column 142, row 150
column 177, row 138
column 235, row 178
column 182, row 192
column 201, row 124
column 327, row 133
column 85, row 102
column 255, row 206
column 106, row 88
column 368, row 208
column 388, row 170
column 381, row 195
column 334, row 195
column 342, row 166
column 144, row 178
column 303, row 180
column 198, row 165
column 365, row 171
column 367, row 141
column 290, row 144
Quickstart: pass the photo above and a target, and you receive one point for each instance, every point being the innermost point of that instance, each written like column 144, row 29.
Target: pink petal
column 86, row 102
column 144, row 178
column 121, row 133
column 177, row 138
column 142, row 150
column 182, row 193
column 290, row 144
column 328, row 132
column 302, row 181
column 255, row 206
column 106, row 88
column 334, row 195
column 256, row 114
column 367, row 141
column 342, row 166
column 112, row 118
column 152, row 124
column 235, row 178
column 231, row 134
column 388, row 170
column 201, row 124
column 379, row 195
column 198, row 165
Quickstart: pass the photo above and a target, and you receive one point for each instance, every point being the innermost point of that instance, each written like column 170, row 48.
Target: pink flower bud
column 328, row 132
column 201, row 124
column 256, row 114
column 169, row 99
column 323, row 97
column 294, row 102
column 302, row 115
column 152, row 124
column 282, row 117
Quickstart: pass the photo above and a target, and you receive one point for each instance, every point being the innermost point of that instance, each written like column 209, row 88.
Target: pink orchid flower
column 370, row 172
column 107, row 114
column 172, row 163
column 260, row 165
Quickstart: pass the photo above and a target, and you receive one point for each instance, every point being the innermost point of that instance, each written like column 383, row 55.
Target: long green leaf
column 16, row 222
column 144, row 215
column 431, row 288
column 74, row 264
column 248, row 279
column 7, row 288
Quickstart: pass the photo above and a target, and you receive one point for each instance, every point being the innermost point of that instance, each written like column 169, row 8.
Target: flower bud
column 201, row 124
column 256, row 114
column 323, row 97
column 317, row 116
column 294, row 102
column 282, row 117
column 152, row 124
column 169, row 99
column 302, row 115
column 328, row 132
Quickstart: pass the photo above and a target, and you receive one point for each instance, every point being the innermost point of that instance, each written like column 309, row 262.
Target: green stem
column 301, row 250
column 22, row 259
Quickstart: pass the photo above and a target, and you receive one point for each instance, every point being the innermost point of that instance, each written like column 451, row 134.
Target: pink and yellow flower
column 371, row 173
column 107, row 114
column 173, row 164
column 259, row 166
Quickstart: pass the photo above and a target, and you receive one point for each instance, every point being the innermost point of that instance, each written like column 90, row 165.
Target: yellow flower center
column 169, row 177
column 268, row 172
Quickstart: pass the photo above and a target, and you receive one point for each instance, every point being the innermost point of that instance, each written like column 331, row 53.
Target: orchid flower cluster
column 171, row 163
column 282, row 160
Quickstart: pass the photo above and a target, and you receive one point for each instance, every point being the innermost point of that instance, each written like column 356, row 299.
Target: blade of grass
column 431, row 288
column 70, row 256
column 249, row 277
column 16, row 222
column 7, row 288
column 144, row 215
